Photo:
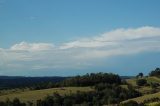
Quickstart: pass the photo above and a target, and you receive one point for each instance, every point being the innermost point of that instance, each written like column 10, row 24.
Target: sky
column 75, row 37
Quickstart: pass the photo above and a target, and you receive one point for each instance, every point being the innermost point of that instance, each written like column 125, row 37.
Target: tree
column 154, row 85
column 68, row 102
column 112, row 100
column 8, row 102
column 141, row 82
column 16, row 102
column 141, row 75
column 155, row 72
column 92, row 79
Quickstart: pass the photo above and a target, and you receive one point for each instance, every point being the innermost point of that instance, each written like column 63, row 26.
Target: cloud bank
column 82, row 52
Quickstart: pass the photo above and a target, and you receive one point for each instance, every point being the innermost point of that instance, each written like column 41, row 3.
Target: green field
column 40, row 94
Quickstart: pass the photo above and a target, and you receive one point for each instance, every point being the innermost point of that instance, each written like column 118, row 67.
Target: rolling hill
column 40, row 94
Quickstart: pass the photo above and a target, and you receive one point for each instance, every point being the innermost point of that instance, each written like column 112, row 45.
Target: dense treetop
column 155, row 72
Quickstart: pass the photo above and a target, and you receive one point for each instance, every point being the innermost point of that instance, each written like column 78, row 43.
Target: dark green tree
column 140, row 74
column 141, row 82
column 155, row 72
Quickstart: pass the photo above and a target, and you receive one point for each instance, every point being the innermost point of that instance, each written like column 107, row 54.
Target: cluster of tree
column 155, row 72
column 92, row 79
column 84, row 98
column 113, row 93
column 15, row 102
column 104, row 94
column 141, row 82
column 84, row 80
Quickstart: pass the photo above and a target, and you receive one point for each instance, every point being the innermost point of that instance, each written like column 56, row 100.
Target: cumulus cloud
column 81, row 53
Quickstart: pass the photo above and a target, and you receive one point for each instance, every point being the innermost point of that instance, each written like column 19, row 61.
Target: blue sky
column 58, row 37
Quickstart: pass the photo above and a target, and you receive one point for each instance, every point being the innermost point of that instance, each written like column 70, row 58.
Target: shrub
column 141, row 82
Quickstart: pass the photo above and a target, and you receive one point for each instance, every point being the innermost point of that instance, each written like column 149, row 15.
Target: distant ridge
column 7, row 82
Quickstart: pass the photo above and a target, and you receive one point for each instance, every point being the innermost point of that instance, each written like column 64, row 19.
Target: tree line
column 107, row 90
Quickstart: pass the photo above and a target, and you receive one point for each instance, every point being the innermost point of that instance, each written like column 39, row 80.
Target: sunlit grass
column 40, row 94
column 145, row 97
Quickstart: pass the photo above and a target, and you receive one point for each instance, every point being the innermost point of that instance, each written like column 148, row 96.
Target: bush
column 154, row 85
column 141, row 82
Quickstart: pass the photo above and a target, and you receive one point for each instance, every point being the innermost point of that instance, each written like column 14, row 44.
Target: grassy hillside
column 153, row 104
column 149, row 80
column 145, row 97
column 108, row 89
column 153, row 79
column 40, row 94
column 145, row 89
column 131, row 81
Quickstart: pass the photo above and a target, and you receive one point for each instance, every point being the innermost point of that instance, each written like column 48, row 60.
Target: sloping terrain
column 145, row 97
column 40, row 94
column 144, row 89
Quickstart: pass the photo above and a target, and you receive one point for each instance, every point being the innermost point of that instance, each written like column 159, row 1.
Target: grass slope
column 144, row 89
column 145, row 97
column 149, row 80
column 40, row 94
column 153, row 79
column 153, row 104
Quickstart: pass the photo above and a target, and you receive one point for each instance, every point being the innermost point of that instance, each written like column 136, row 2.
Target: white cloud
column 114, row 37
column 81, row 53
column 130, row 34
column 32, row 46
